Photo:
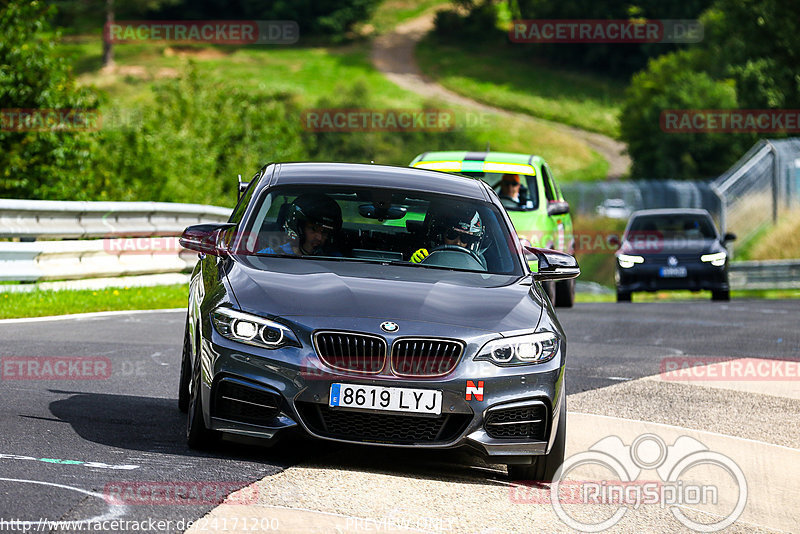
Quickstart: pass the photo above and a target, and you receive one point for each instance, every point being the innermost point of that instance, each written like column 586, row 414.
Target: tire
column 186, row 375
column 623, row 296
column 550, row 290
column 724, row 294
column 197, row 435
column 543, row 468
column 565, row 293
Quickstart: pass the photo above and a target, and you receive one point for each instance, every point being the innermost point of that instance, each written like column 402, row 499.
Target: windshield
column 528, row 194
column 675, row 226
column 392, row 226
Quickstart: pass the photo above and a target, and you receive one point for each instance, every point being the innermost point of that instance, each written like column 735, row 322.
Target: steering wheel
column 457, row 248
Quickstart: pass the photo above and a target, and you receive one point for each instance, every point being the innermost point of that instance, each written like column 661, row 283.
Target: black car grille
column 236, row 401
column 361, row 353
column 381, row 428
column 423, row 357
column 528, row 422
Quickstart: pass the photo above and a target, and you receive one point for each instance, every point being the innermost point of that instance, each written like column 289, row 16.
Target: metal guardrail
column 767, row 274
column 79, row 220
column 124, row 238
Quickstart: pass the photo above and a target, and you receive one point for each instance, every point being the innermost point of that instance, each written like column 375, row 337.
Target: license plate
column 673, row 272
column 385, row 398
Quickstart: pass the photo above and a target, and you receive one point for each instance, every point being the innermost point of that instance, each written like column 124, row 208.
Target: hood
column 287, row 287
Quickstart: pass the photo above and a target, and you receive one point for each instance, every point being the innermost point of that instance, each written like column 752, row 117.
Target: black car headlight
column 527, row 349
column 252, row 329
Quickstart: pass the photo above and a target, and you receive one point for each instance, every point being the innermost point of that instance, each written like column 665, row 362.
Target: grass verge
column 41, row 303
column 497, row 76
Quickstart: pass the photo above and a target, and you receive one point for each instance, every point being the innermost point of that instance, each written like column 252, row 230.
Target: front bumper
column 647, row 277
column 267, row 393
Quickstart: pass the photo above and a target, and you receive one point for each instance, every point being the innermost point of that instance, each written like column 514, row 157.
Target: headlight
column 626, row 261
column 520, row 350
column 252, row 329
column 717, row 260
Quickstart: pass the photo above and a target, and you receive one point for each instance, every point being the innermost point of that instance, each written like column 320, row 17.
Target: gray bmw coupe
column 376, row 305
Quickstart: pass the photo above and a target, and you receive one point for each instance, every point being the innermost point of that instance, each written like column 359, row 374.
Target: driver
column 461, row 227
column 311, row 220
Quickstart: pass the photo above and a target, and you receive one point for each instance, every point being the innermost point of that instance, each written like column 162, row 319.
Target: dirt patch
column 194, row 52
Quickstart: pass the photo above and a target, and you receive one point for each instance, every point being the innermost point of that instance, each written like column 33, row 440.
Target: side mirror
column 552, row 264
column 557, row 207
column 204, row 238
column 729, row 237
column 242, row 187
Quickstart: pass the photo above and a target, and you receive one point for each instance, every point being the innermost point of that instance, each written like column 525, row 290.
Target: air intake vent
column 348, row 351
column 424, row 357
column 528, row 422
column 237, row 401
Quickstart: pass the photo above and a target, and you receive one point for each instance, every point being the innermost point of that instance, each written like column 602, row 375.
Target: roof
column 466, row 161
column 367, row 175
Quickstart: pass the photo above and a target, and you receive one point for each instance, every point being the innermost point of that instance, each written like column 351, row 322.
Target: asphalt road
column 65, row 444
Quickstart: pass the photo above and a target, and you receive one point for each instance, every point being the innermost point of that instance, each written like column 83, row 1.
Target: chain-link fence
column 760, row 185
column 591, row 198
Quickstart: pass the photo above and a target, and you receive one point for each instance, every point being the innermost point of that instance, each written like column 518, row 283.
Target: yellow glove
column 419, row 255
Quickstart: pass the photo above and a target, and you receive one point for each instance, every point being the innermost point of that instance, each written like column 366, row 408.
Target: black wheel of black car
column 724, row 294
column 623, row 296
column 565, row 293
column 186, row 375
column 543, row 468
column 198, row 436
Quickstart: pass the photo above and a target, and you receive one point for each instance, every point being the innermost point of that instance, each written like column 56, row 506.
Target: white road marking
column 81, row 316
column 114, row 510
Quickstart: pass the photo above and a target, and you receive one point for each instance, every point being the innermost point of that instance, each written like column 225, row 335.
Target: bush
column 33, row 76
column 677, row 81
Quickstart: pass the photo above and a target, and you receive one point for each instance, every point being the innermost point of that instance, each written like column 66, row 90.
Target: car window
column 675, row 226
column 379, row 225
column 549, row 187
column 529, row 192
column 241, row 206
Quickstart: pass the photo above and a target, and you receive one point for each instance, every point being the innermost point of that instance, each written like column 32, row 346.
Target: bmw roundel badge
column 389, row 326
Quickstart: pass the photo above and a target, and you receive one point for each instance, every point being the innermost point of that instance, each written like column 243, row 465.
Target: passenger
column 310, row 222
column 461, row 227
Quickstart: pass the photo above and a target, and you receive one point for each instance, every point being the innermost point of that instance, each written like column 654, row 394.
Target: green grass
column 310, row 73
column 40, row 303
column 495, row 74
column 393, row 12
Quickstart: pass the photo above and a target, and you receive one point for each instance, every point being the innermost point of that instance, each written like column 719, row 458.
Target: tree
column 34, row 77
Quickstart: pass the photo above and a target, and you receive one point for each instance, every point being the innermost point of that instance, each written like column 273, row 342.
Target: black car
column 672, row 249
column 380, row 305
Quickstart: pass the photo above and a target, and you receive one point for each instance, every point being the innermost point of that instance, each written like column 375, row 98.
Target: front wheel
column 186, row 374
column 623, row 296
column 198, row 436
column 544, row 468
column 724, row 294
